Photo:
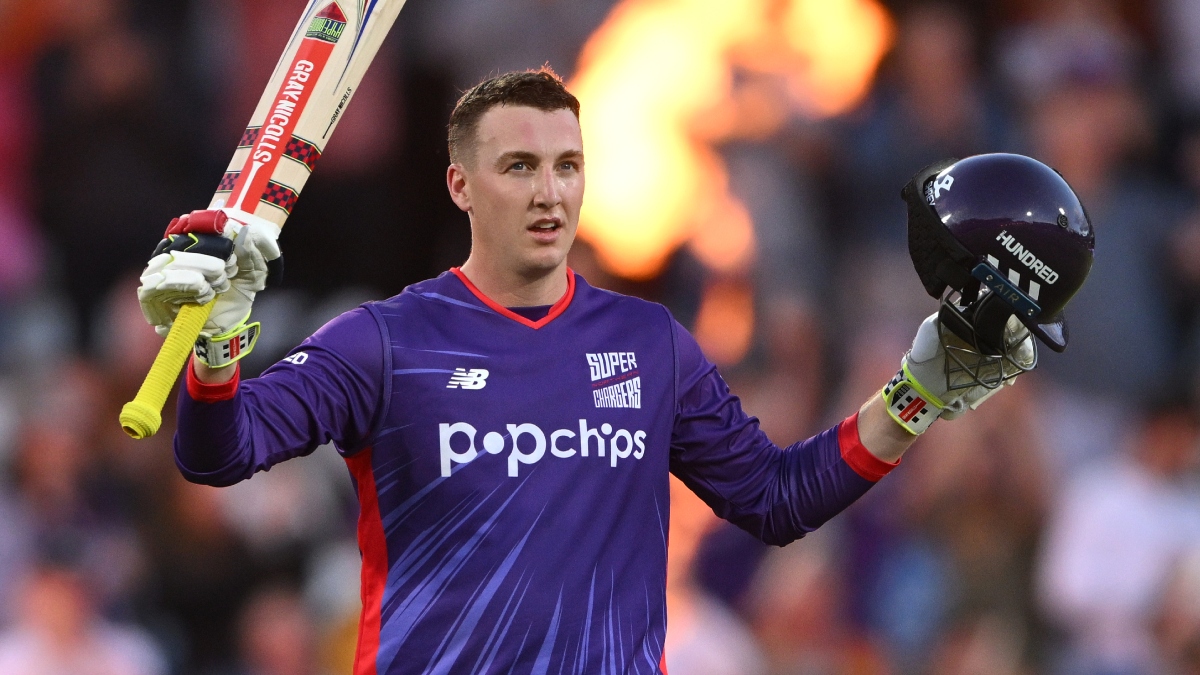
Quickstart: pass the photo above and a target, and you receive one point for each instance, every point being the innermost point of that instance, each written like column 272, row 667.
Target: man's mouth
column 546, row 225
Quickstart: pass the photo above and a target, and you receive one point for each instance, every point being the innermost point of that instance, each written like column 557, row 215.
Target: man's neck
column 512, row 289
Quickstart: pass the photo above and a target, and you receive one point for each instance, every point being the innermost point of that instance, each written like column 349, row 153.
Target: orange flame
column 656, row 85
column 841, row 43
column 725, row 322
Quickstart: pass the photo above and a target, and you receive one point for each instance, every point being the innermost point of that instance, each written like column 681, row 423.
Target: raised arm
column 781, row 494
column 330, row 388
column 777, row 494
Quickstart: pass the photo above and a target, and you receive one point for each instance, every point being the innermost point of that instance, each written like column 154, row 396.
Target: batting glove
column 943, row 377
column 184, row 270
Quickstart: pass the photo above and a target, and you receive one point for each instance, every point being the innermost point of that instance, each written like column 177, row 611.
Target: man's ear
column 456, row 183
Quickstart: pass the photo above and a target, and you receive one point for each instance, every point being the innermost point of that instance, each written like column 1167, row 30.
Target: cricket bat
column 324, row 61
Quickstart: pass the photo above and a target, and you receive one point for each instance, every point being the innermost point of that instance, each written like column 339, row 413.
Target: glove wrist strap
column 221, row 351
column 909, row 403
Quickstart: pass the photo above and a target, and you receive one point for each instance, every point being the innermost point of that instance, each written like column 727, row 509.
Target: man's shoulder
column 604, row 299
column 442, row 287
column 365, row 318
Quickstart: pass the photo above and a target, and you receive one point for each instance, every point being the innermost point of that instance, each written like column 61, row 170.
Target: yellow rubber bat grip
column 142, row 416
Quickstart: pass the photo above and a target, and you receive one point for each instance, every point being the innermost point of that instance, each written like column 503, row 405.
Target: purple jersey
column 513, row 474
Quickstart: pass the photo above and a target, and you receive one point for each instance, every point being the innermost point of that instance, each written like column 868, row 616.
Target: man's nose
column 547, row 193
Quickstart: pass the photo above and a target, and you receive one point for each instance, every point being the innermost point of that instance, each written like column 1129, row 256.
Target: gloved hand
column 943, row 377
column 206, row 253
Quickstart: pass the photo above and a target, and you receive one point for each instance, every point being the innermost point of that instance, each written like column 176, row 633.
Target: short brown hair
column 542, row 89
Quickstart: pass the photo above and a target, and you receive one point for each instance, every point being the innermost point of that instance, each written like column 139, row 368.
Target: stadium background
column 745, row 160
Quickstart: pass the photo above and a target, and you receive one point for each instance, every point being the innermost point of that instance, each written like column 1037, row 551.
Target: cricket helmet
column 1008, row 237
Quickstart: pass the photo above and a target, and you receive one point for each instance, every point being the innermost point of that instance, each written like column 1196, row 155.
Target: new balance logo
column 476, row 378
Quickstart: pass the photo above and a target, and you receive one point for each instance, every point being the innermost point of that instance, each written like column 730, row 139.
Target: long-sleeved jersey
column 513, row 474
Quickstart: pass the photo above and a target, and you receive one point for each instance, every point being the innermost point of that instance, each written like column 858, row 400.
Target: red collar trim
column 556, row 309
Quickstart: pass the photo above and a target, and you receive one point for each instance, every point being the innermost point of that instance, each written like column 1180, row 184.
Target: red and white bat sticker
column 254, row 180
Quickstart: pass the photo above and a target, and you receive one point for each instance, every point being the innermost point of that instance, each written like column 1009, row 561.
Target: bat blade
column 317, row 75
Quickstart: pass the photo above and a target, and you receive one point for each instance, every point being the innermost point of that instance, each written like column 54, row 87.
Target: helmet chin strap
column 982, row 341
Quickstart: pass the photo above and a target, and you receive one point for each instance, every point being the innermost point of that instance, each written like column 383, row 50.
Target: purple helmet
column 1006, row 225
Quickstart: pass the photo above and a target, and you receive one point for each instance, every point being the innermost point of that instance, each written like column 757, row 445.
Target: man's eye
column 518, row 166
column 568, row 166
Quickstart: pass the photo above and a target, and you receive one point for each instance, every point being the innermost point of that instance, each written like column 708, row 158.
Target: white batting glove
column 934, row 383
column 255, row 244
column 176, row 277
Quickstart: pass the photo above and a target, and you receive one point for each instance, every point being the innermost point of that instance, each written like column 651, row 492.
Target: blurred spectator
column 479, row 38
column 785, row 392
column 931, row 103
column 1067, row 41
column 799, row 612
column 983, row 645
column 1177, row 625
column 1119, row 318
column 113, row 162
column 16, row 552
column 291, row 508
column 1179, row 21
column 1183, row 260
column 58, row 630
column 1117, row 532
column 277, row 636
column 944, row 554
column 21, row 264
column 22, row 248
column 703, row 636
column 200, row 575
column 29, row 26
column 58, row 495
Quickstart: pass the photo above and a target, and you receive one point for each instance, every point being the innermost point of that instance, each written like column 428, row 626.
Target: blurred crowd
column 1054, row 530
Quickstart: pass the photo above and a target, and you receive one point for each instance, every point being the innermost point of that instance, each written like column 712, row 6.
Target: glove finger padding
column 263, row 243
column 255, row 243
column 176, row 278
column 251, row 273
column 229, row 336
column 941, row 376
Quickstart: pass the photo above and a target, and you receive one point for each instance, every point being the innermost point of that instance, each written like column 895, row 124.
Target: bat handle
column 142, row 416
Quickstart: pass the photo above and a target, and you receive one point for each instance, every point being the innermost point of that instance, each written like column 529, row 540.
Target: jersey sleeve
column 330, row 388
column 721, row 454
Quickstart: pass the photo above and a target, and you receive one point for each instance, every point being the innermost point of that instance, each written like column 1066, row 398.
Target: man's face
column 523, row 188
